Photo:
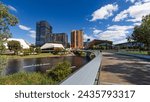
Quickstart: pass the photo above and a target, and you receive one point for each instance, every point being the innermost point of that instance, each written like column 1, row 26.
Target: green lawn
column 138, row 52
column 30, row 56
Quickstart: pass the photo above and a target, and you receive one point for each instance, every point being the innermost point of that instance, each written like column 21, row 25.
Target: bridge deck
column 87, row 74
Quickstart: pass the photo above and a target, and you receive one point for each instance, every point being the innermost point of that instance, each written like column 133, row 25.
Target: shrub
column 3, row 62
column 26, row 52
column 61, row 71
column 57, row 50
column 38, row 50
column 23, row 78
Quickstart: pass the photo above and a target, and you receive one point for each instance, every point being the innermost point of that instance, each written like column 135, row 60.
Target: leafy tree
column 6, row 19
column 31, row 49
column 142, row 33
column 14, row 46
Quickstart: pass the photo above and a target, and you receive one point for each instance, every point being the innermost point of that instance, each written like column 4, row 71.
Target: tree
column 142, row 33
column 14, row 46
column 6, row 20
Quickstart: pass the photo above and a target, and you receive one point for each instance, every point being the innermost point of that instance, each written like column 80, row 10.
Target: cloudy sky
column 100, row 19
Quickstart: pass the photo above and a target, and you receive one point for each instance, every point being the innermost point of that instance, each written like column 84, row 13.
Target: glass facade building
column 44, row 35
column 43, row 30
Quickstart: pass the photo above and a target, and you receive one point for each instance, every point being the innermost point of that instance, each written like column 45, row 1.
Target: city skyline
column 107, row 20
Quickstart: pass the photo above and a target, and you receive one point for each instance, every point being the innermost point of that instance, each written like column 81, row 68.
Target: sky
column 110, row 20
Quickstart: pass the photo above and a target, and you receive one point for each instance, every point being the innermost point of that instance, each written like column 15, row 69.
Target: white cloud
column 32, row 34
column 138, row 1
column 122, row 28
column 132, row 1
column 12, row 8
column 137, row 24
column 104, row 12
column 96, row 31
column 115, row 33
column 134, row 13
column 22, row 27
column 85, row 37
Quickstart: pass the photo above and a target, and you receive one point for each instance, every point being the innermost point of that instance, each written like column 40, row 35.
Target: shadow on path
column 135, row 71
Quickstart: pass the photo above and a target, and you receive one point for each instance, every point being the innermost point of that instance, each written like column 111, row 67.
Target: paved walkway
column 122, row 70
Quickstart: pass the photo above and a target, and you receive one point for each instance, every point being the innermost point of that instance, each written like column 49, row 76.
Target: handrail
column 87, row 74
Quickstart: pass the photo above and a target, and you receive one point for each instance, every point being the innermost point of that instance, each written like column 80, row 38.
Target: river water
column 42, row 64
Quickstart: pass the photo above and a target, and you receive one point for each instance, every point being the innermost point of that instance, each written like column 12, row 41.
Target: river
column 41, row 64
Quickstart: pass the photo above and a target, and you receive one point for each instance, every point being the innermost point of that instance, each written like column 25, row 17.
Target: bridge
column 88, row 74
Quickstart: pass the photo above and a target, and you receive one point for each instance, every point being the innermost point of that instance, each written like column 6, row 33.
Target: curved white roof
column 24, row 44
column 52, row 45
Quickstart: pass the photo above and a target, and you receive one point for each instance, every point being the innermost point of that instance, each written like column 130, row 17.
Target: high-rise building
column 77, row 39
column 60, row 38
column 43, row 31
column 44, row 35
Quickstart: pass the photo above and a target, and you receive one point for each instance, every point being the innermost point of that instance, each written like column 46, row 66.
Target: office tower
column 61, row 38
column 43, row 31
column 77, row 39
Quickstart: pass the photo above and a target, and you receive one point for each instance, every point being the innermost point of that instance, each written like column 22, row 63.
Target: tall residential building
column 43, row 31
column 77, row 39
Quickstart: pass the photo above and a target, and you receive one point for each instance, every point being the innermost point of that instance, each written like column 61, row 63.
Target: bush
column 26, row 52
column 148, row 52
column 23, row 78
column 2, row 48
column 38, row 50
column 61, row 71
column 57, row 50
column 3, row 62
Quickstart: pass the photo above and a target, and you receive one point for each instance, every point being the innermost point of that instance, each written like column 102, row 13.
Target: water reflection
column 41, row 64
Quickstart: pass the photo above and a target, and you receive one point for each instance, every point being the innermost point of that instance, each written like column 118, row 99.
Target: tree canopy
column 142, row 33
column 6, row 19
column 14, row 46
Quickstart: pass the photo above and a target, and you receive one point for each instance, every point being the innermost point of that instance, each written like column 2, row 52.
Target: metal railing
column 88, row 74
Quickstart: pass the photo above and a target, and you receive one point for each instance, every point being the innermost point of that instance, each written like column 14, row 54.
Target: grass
column 138, row 52
column 30, row 56
column 23, row 78
column 51, row 77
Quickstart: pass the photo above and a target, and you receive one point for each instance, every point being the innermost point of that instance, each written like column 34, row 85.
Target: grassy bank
column 138, row 52
column 51, row 77
column 26, row 79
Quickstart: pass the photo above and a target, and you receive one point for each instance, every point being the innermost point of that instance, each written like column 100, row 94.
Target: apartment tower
column 77, row 39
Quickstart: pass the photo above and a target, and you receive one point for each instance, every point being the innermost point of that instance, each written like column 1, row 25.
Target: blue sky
column 100, row 19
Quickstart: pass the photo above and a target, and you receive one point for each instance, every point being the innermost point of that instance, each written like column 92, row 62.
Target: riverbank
column 41, row 55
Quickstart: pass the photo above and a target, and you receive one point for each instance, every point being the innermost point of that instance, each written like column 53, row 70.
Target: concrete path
column 124, row 70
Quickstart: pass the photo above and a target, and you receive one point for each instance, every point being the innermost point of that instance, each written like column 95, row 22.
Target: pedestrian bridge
column 88, row 74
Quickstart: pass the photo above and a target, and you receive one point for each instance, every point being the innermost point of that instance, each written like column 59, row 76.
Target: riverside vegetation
column 51, row 77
